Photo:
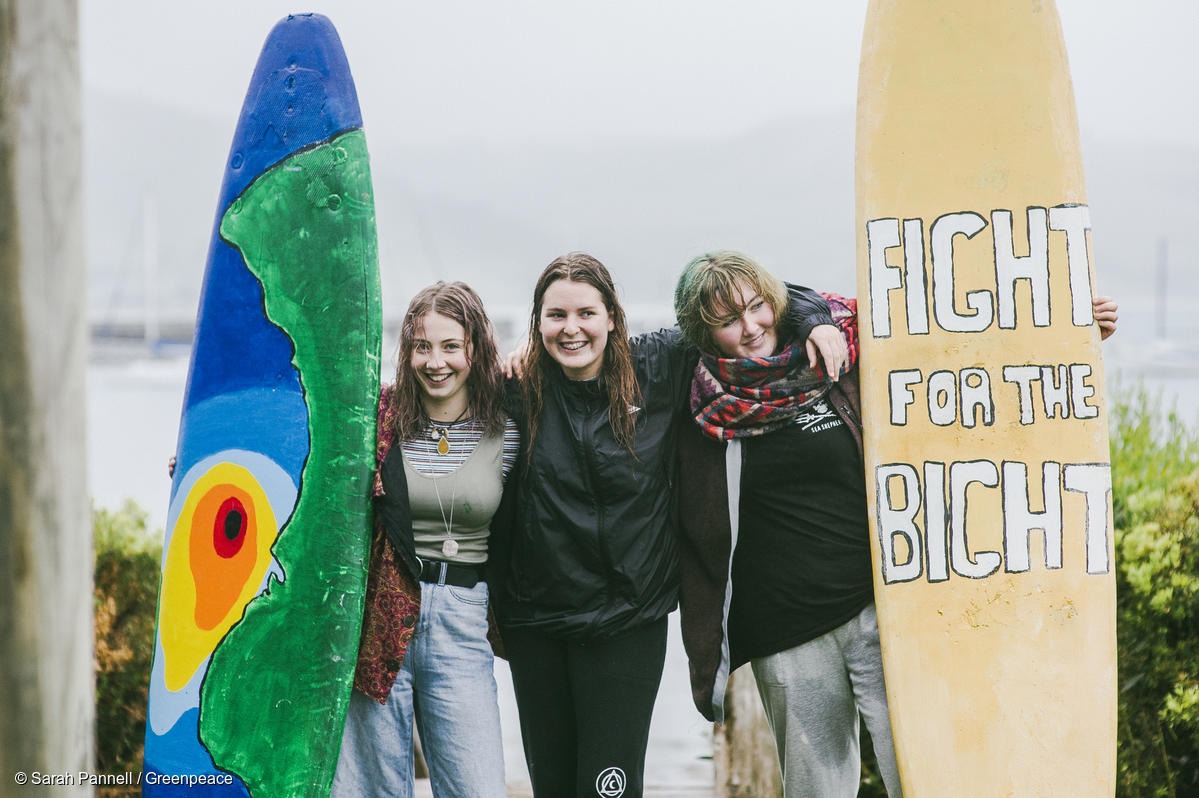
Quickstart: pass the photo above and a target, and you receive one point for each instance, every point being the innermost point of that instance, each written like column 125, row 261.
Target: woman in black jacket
column 593, row 569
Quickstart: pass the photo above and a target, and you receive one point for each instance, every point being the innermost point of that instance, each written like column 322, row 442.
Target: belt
column 449, row 573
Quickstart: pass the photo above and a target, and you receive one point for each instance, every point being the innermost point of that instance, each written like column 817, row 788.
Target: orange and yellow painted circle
column 217, row 558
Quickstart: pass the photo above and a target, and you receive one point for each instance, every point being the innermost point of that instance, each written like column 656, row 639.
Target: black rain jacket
column 594, row 552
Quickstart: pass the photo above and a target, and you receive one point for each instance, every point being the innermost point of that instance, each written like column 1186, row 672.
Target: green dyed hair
column 706, row 294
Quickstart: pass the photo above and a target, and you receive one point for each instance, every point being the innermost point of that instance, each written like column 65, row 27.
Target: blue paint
column 290, row 107
column 273, row 422
column 243, row 392
column 176, row 753
column 236, row 347
column 291, row 104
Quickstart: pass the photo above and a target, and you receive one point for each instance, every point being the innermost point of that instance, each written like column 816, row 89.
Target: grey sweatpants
column 813, row 694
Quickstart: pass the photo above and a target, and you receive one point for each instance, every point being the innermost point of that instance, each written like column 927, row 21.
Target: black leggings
column 585, row 709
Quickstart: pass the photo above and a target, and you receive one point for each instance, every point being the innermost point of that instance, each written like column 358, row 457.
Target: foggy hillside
column 495, row 214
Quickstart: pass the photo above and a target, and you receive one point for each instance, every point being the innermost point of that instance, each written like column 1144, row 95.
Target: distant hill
column 495, row 214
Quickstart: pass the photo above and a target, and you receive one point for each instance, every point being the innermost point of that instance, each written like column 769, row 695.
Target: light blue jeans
column 813, row 694
column 447, row 681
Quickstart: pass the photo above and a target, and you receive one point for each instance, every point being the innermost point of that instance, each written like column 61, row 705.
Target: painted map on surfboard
column 985, row 425
column 264, row 562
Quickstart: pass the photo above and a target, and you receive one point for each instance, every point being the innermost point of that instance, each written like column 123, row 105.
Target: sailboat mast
column 151, row 321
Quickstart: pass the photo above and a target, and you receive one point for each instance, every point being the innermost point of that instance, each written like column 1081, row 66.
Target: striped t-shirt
column 463, row 436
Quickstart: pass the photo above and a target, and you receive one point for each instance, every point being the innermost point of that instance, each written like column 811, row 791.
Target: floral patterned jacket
column 392, row 587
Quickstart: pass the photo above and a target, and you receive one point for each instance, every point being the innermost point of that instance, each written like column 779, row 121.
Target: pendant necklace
column 449, row 546
column 440, row 432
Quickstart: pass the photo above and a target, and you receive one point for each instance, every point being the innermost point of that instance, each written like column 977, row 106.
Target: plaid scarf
column 740, row 397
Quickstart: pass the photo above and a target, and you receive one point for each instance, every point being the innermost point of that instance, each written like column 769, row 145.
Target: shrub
column 126, row 597
column 1155, row 496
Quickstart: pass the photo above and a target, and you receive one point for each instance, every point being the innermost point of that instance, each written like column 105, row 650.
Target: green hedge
column 128, row 556
column 1155, row 494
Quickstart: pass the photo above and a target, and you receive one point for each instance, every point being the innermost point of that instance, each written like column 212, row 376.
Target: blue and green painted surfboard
column 264, row 562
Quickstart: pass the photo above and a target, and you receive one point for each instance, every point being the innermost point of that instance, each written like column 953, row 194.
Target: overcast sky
column 619, row 69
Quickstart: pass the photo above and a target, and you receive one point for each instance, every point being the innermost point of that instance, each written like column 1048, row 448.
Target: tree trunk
column 46, row 681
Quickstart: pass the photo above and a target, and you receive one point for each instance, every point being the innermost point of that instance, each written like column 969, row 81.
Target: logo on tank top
column 610, row 783
column 819, row 418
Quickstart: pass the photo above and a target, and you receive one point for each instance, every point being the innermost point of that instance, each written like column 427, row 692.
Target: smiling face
column 748, row 328
column 441, row 362
column 574, row 326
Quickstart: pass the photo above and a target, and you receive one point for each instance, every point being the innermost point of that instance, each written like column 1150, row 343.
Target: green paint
column 274, row 701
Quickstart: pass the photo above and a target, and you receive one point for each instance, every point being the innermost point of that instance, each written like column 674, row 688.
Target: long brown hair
column 484, row 385
column 616, row 372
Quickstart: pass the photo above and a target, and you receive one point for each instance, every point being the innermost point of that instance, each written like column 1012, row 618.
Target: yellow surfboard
column 985, row 426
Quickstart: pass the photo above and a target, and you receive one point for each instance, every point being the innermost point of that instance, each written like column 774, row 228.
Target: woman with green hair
column 775, row 549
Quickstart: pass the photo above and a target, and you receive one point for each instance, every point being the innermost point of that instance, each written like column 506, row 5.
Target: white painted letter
column 976, row 394
column 942, row 398
column 881, row 235
column 961, row 476
column 1080, row 391
column 944, row 229
column 1019, row 518
column 1023, row 377
column 1033, row 267
column 917, row 291
column 1055, row 391
column 935, row 534
column 1094, row 480
column 1075, row 220
column 898, row 521
column 901, row 395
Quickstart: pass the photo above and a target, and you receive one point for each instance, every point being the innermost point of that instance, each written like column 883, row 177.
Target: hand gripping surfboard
column 264, row 562
column 985, row 425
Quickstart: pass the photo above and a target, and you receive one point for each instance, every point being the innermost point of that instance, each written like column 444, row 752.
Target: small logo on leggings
column 610, row 783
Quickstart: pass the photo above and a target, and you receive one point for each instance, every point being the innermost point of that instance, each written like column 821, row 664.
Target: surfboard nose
column 301, row 93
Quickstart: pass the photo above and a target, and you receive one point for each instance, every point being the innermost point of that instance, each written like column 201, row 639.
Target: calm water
column 133, row 414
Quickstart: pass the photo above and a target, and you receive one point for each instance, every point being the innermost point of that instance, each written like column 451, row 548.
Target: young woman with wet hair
column 593, row 563
column 445, row 459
